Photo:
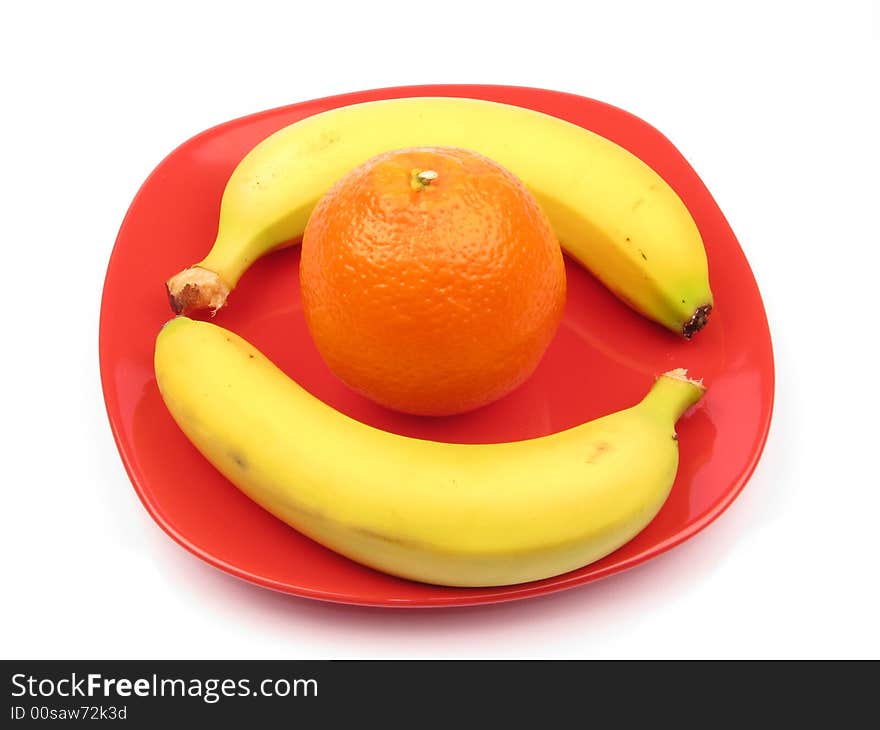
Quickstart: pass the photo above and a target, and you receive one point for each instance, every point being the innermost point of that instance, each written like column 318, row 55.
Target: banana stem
column 196, row 288
column 673, row 393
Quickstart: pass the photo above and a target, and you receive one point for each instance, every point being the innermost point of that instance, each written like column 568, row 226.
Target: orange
column 432, row 282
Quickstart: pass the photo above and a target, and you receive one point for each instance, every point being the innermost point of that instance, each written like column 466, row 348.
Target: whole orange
column 432, row 281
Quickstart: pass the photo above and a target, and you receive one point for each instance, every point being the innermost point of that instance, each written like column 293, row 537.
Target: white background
column 775, row 105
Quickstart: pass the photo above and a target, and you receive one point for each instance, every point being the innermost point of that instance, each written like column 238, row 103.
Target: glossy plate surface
column 603, row 359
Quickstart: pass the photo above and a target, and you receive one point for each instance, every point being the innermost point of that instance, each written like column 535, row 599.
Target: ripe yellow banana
column 610, row 210
column 452, row 514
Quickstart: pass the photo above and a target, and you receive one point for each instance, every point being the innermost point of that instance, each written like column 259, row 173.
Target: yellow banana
column 610, row 210
column 451, row 514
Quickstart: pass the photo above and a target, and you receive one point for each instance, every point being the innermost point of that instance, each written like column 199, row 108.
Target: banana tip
column 697, row 321
column 172, row 321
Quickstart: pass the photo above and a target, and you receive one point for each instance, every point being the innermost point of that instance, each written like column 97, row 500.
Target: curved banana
column 451, row 514
column 610, row 210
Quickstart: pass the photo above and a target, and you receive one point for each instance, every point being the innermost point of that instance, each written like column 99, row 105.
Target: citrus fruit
column 432, row 282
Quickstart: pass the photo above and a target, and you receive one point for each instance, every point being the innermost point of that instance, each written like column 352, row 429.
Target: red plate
column 603, row 359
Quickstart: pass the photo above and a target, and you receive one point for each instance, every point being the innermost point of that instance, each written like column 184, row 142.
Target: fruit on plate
column 611, row 211
column 451, row 514
column 431, row 280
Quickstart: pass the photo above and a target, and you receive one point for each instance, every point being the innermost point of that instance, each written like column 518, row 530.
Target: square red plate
column 604, row 358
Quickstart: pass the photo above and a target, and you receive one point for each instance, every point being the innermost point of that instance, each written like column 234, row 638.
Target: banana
column 450, row 514
column 610, row 210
